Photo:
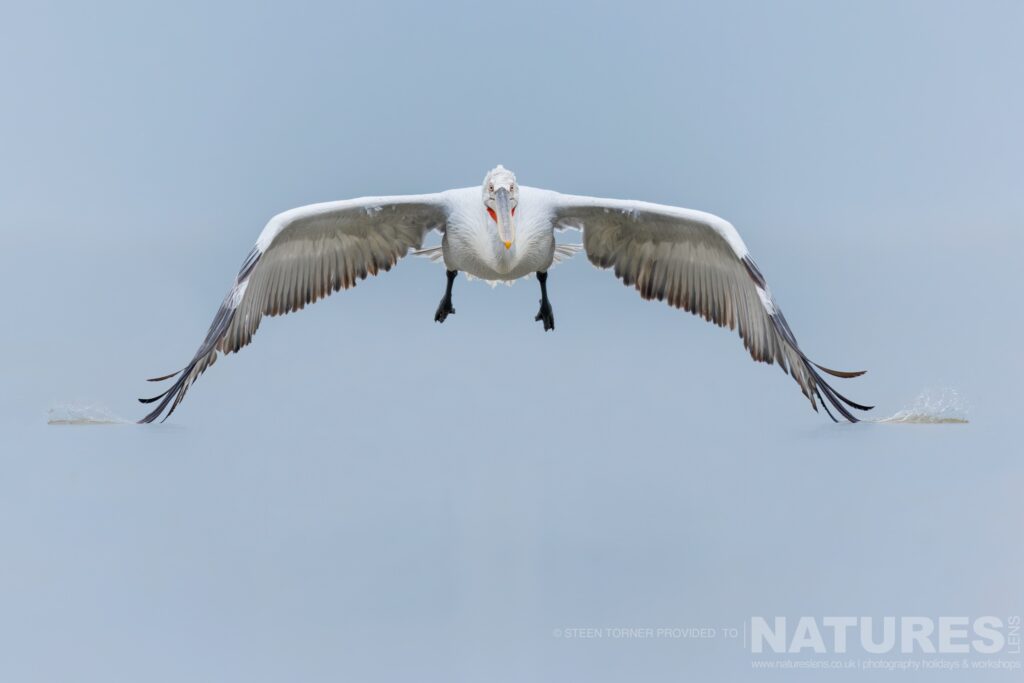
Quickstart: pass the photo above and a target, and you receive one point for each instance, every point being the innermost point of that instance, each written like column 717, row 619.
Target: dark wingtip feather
column 840, row 373
column 852, row 404
column 159, row 396
column 828, row 395
column 155, row 413
column 822, row 389
column 825, row 406
column 173, row 394
column 161, row 379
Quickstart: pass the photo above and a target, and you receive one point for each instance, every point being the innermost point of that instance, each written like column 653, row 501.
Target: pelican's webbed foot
column 445, row 308
column 545, row 314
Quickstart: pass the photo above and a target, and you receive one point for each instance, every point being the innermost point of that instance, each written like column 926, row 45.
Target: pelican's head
column 501, row 195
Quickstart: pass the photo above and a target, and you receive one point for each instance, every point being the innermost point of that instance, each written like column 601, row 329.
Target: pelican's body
column 502, row 232
column 468, row 244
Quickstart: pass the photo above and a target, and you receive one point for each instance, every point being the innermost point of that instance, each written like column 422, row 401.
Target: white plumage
column 502, row 232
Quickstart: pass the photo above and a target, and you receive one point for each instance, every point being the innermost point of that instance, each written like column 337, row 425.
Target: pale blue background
column 366, row 495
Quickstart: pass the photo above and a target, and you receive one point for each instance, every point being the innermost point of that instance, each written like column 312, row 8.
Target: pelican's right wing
column 696, row 261
column 301, row 256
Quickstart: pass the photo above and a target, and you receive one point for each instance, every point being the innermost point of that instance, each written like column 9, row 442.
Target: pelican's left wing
column 301, row 256
column 696, row 261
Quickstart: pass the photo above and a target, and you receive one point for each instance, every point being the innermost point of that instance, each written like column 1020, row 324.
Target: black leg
column 444, row 309
column 545, row 315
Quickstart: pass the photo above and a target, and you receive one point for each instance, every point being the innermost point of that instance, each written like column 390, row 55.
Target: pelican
column 502, row 231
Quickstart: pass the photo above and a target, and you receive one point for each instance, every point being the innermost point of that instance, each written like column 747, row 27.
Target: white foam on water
column 83, row 414
column 932, row 406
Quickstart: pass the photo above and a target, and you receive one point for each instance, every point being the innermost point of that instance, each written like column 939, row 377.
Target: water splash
column 83, row 414
column 932, row 406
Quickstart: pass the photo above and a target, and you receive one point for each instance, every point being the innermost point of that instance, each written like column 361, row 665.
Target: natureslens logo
column 863, row 643
column 948, row 635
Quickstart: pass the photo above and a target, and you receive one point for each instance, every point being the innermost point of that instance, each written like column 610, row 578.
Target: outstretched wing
column 301, row 256
column 696, row 261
